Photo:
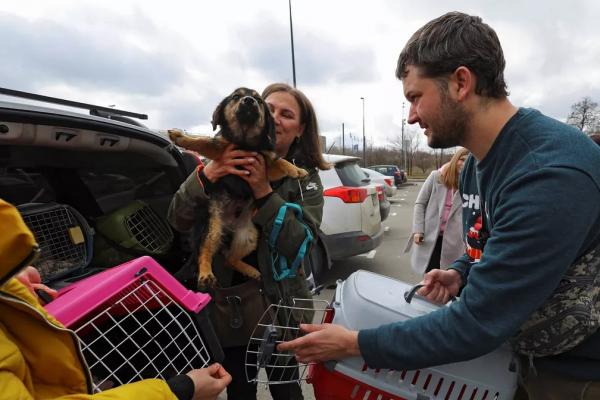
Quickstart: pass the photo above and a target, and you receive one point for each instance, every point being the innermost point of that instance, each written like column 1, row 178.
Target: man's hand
column 440, row 285
column 209, row 382
column 30, row 277
column 322, row 343
column 228, row 163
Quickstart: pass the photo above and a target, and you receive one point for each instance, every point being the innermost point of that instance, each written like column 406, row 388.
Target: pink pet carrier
column 367, row 300
column 135, row 321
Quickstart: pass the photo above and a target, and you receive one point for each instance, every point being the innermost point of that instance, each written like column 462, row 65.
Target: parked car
column 384, row 202
column 391, row 170
column 105, row 174
column 351, row 218
column 389, row 187
column 383, row 188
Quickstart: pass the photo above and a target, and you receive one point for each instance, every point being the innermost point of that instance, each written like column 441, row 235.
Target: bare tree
column 439, row 156
column 584, row 115
column 422, row 160
column 413, row 138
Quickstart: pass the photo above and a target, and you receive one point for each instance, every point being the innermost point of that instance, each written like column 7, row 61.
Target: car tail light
column 388, row 181
column 379, row 189
column 347, row 194
column 329, row 314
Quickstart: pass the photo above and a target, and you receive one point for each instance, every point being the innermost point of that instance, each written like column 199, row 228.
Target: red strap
column 199, row 168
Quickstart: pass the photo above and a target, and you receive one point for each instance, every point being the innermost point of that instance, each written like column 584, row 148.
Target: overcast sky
column 175, row 60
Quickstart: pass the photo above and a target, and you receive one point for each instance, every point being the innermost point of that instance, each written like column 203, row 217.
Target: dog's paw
column 297, row 172
column 175, row 135
column 254, row 274
column 302, row 172
column 207, row 281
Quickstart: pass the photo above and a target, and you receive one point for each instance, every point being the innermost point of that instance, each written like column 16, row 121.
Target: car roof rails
column 99, row 111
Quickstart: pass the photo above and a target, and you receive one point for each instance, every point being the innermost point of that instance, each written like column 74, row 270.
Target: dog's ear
column 217, row 117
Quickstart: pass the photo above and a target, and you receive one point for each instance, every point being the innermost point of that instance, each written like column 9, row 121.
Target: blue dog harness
column 279, row 263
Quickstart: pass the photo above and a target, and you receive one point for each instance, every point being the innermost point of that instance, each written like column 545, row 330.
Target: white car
column 351, row 220
column 387, row 181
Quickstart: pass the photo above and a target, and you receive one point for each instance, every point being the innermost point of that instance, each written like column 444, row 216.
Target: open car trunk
column 69, row 170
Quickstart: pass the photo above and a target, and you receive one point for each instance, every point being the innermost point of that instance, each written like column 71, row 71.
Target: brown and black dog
column 245, row 120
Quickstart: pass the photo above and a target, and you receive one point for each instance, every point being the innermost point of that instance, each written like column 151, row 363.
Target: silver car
column 388, row 182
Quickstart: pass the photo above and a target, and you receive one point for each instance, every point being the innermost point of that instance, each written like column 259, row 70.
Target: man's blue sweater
column 539, row 187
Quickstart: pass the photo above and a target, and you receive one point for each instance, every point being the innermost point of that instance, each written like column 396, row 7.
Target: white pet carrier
column 367, row 300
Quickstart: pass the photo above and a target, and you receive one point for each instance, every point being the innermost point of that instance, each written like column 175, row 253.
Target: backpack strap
column 279, row 264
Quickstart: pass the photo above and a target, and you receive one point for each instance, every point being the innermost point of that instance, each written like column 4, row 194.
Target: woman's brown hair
column 306, row 150
column 450, row 175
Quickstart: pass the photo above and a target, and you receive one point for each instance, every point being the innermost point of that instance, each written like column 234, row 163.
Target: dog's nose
column 248, row 100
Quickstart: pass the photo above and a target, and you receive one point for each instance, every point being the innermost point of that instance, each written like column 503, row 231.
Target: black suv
column 391, row 170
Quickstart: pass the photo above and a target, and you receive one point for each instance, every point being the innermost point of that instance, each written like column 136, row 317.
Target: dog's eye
column 235, row 97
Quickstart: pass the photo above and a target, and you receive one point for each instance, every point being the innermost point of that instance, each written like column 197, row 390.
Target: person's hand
column 322, row 343
column 440, row 285
column 418, row 238
column 209, row 382
column 257, row 177
column 228, row 163
column 30, row 277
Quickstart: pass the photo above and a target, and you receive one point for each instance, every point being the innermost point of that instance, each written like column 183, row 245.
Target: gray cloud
column 186, row 112
column 43, row 52
column 319, row 59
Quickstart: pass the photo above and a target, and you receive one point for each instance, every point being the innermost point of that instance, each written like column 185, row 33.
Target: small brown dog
column 245, row 121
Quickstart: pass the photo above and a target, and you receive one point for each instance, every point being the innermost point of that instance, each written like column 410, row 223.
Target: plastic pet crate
column 129, row 232
column 135, row 321
column 64, row 237
column 367, row 300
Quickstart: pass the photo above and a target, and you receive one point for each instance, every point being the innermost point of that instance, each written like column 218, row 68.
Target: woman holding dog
column 297, row 140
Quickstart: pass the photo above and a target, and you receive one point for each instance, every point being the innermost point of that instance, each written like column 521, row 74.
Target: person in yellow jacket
column 41, row 359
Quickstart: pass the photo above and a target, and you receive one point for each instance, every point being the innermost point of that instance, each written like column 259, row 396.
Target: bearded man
column 534, row 185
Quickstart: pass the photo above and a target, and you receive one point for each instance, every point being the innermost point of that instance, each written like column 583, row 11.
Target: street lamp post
column 292, row 40
column 343, row 144
column 402, row 143
column 364, row 139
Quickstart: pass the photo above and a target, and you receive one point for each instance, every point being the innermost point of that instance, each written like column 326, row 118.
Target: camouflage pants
column 550, row 386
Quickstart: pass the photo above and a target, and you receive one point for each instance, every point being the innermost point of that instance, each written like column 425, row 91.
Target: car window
column 24, row 185
column 351, row 175
column 375, row 175
column 106, row 185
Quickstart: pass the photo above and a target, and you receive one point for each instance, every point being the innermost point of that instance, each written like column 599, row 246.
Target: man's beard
column 451, row 128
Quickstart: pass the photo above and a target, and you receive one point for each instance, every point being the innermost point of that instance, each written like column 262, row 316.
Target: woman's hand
column 209, row 382
column 418, row 238
column 30, row 277
column 257, row 177
column 228, row 163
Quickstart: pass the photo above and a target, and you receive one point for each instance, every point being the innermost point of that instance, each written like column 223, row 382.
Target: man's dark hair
column 454, row 40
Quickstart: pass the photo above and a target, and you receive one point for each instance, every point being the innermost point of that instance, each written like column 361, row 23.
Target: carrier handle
column 408, row 296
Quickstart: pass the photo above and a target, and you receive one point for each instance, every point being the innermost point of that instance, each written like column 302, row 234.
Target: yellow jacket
column 39, row 358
